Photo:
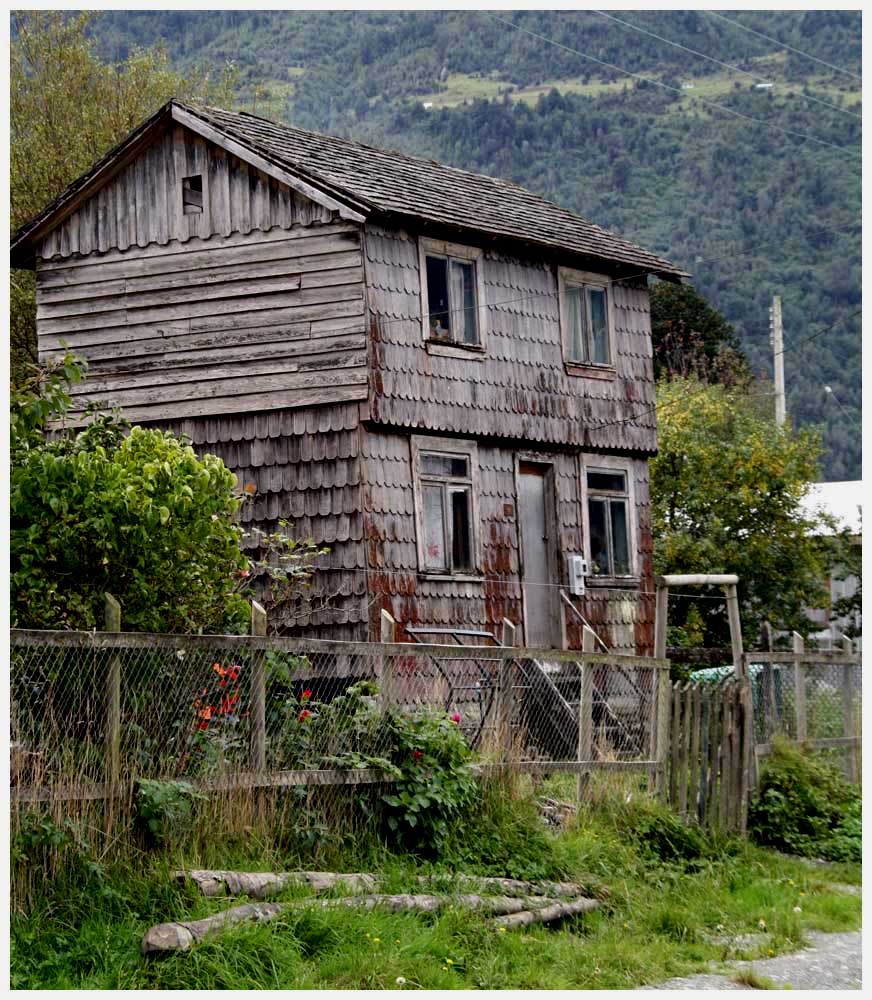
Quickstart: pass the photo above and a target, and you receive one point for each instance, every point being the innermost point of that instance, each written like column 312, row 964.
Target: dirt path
column 831, row 962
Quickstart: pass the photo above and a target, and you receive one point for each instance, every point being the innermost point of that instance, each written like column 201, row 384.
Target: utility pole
column 776, row 338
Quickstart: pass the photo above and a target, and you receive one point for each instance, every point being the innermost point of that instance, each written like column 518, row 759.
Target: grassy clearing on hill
column 678, row 901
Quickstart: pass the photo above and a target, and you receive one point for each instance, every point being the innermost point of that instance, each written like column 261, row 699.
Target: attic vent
column 192, row 194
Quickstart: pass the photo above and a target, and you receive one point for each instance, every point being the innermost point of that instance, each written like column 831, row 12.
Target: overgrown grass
column 677, row 901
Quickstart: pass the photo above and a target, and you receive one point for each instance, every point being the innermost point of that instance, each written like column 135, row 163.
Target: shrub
column 804, row 806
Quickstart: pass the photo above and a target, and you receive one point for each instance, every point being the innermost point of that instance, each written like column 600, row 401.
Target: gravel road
column 831, row 962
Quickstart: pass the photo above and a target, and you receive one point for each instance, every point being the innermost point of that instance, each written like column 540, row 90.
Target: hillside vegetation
column 751, row 209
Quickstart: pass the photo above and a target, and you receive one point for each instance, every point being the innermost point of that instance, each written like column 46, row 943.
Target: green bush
column 805, row 807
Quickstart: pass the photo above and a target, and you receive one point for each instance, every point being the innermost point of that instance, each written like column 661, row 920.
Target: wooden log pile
column 520, row 903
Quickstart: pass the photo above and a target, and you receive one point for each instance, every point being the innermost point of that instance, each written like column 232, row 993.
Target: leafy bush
column 165, row 809
column 805, row 807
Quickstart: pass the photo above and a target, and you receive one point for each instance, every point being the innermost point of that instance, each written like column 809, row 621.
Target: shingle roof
column 395, row 183
column 389, row 183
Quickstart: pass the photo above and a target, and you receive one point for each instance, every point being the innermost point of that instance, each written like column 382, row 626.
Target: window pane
column 437, row 464
column 616, row 482
column 599, row 539
column 575, row 319
column 434, row 529
column 620, row 538
column 599, row 332
column 437, row 297
column 461, row 530
column 463, row 301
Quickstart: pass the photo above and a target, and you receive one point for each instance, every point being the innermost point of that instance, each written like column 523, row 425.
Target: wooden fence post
column 664, row 701
column 258, row 692
column 387, row 635
column 695, row 750
column 747, row 775
column 848, row 728
column 799, row 689
column 504, row 693
column 585, row 710
column 112, row 623
column 659, row 695
column 770, row 723
column 735, row 627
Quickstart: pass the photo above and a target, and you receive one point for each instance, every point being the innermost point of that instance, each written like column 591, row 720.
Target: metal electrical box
column 576, row 571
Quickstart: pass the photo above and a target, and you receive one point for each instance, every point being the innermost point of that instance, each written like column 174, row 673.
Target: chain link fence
column 92, row 711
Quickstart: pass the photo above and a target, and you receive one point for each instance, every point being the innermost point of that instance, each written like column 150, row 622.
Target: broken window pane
column 434, row 528
column 439, row 319
column 461, row 530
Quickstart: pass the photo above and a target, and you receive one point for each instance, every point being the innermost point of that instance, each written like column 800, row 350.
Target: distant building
column 842, row 501
column 764, row 86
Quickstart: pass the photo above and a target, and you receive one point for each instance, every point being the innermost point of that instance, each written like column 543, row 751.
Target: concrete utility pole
column 777, row 341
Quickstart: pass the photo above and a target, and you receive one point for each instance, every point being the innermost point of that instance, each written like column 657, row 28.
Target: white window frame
column 568, row 277
column 445, row 446
column 610, row 463
column 474, row 256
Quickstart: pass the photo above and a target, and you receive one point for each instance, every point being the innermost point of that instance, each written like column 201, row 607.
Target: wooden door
column 537, row 519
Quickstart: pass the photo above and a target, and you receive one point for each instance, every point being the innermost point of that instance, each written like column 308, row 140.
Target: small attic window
column 192, row 194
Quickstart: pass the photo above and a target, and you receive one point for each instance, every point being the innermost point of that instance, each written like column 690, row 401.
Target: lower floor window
column 608, row 524
column 446, row 515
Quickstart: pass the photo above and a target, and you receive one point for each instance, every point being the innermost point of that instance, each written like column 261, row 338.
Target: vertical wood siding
column 305, row 467
column 142, row 204
column 230, row 324
column 520, row 388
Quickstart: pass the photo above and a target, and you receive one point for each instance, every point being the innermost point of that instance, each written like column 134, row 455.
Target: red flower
column 455, row 717
column 417, row 755
column 304, row 715
column 233, row 672
column 306, row 695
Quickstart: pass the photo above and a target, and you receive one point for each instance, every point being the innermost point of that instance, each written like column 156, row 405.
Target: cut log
column 182, row 935
column 557, row 910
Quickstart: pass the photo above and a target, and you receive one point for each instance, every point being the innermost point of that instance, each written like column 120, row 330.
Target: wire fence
column 93, row 712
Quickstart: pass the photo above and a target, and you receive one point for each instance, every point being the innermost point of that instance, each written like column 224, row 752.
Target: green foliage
column 805, row 807
column 846, row 559
column 67, row 109
column 164, row 810
column 691, row 339
column 135, row 514
column 726, row 486
column 435, row 784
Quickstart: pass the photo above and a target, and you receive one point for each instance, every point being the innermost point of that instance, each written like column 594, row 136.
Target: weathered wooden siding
column 142, row 204
column 235, row 323
column 623, row 619
column 518, row 388
column 305, row 467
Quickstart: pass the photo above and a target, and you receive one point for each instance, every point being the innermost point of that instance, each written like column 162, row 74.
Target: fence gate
column 709, row 766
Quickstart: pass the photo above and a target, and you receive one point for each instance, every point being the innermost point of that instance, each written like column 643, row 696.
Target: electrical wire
column 784, row 45
column 729, row 66
column 659, row 83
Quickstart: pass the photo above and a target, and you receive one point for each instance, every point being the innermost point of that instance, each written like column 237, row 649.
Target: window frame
column 427, row 444
column 568, row 278
column 472, row 255
column 610, row 464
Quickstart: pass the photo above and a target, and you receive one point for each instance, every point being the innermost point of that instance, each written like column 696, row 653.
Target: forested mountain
column 759, row 195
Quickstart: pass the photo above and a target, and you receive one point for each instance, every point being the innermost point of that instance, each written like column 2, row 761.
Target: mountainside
column 751, row 209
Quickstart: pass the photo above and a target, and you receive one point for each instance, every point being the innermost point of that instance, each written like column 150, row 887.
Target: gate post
column 113, row 699
column 585, row 711
column 504, row 694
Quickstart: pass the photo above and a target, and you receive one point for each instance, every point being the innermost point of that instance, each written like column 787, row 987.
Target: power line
column 784, row 45
column 677, row 90
column 730, row 66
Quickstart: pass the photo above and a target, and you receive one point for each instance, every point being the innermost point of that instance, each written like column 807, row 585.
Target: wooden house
column 439, row 375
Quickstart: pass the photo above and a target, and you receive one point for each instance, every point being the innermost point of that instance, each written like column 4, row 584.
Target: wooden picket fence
column 709, row 769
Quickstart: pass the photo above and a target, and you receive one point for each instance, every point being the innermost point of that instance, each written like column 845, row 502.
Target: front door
column 538, row 555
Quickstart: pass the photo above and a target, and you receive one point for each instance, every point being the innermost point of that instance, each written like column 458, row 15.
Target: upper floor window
column 192, row 194
column 608, row 509
column 450, row 293
column 585, row 318
column 446, row 523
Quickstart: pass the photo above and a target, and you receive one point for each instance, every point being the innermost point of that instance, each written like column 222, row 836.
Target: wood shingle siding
column 219, row 325
column 518, row 388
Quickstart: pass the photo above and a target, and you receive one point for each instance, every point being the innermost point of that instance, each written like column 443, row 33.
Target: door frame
column 547, row 462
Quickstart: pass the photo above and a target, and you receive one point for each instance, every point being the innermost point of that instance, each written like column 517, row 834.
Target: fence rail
column 94, row 712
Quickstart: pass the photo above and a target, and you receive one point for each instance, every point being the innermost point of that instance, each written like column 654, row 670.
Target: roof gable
column 360, row 181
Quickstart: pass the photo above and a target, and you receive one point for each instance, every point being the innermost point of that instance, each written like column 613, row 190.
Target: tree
column 725, row 489
column 68, row 108
column 134, row 512
column 691, row 339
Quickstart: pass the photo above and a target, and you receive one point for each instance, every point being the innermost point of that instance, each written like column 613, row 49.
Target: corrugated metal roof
column 393, row 184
